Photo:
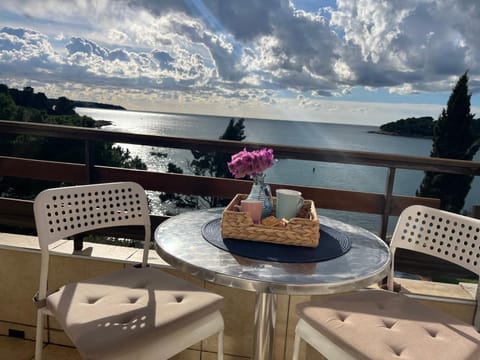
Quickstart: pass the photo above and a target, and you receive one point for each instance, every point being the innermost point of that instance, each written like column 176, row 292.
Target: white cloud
column 227, row 51
column 405, row 89
column 26, row 48
column 404, row 44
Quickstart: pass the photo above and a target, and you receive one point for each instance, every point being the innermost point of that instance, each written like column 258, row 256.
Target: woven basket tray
column 303, row 230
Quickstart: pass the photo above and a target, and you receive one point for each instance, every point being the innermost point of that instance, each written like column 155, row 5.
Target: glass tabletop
column 179, row 241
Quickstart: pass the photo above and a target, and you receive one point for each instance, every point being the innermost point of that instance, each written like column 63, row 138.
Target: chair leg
column 220, row 346
column 39, row 335
column 296, row 347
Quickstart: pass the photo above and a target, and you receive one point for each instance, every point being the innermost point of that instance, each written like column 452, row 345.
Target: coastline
column 391, row 133
column 101, row 123
column 206, row 115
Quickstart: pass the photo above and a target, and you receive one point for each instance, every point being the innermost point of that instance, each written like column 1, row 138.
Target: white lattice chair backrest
column 66, row 211
column 449, row 236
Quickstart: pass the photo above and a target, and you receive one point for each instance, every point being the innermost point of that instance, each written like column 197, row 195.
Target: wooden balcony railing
column 19, row 212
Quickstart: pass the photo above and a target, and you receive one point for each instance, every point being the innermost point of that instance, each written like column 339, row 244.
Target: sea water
column 287, row 171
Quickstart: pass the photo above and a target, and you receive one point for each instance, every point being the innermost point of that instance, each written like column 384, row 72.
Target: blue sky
column 363, row 62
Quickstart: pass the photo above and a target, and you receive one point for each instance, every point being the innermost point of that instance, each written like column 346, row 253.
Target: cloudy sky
column 353, row 61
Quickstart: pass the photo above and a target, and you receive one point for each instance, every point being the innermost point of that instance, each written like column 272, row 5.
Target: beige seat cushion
column 383, row 325
column 127, row 308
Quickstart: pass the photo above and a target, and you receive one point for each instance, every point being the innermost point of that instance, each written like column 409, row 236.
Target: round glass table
column 180, row 242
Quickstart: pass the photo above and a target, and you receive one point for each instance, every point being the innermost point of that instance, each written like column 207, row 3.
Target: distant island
column 419, row 127
column 92, row 104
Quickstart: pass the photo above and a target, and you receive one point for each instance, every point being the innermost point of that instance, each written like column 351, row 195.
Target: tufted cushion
column 382, row 325
column 110, row 310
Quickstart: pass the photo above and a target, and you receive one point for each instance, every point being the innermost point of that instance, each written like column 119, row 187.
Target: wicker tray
column 303, row 230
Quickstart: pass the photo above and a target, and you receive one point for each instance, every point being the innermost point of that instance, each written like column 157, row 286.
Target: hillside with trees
column 27, row 106
column 414, row 127
column 61, row 106
column 421, row 127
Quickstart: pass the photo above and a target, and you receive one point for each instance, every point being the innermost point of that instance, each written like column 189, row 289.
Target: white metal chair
column 135, row 312
column 380, row 324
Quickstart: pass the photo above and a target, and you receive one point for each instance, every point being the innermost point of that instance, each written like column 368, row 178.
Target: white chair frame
column 67, row 211
column 435, row 232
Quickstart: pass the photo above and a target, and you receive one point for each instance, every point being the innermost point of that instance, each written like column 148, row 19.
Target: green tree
column 212, row 164
column 421, row 126
column 453, row 138
column 54, row 149
column 215, row 163
column 64, row 106
column 7, row 107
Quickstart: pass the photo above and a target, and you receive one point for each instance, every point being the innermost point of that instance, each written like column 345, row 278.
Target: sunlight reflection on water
column 285, row 171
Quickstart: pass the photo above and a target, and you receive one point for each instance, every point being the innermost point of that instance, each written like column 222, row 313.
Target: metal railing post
column 89, row 161
column 89, row 168
column 388, row 202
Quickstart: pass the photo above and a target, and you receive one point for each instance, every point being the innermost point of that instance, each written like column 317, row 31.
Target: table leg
column 265, row 315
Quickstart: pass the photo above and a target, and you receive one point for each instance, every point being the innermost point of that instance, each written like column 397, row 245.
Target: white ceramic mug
column 288, row 203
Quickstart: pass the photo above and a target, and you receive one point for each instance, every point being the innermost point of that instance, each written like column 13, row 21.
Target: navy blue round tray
column 331, row 245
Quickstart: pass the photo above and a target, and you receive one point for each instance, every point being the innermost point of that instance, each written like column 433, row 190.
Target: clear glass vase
column 261, row 191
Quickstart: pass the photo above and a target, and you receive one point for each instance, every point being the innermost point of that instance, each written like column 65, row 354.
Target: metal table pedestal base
column 265, row 316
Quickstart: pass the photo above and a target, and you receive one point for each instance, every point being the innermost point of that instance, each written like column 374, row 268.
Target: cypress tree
column 453, row 138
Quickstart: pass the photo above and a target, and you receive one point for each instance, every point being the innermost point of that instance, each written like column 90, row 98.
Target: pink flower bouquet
column 249, row 163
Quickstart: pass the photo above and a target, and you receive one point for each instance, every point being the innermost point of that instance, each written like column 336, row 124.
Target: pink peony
column 249, row 163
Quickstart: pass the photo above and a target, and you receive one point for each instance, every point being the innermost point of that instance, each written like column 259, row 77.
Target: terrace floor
column 19, row 349
column 12, row 348
column 19, row 257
